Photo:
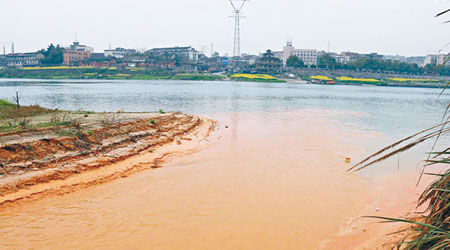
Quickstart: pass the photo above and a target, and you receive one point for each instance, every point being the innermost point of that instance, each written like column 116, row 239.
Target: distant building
column 100, row 60
column 119, row 52
column 416, row 60
column 76, row 46
column 437, row 60
column 395, row 58
column 278, row 54
column 443, row 60
column 134, row 61
column 75, row 57
column 308, row 56
column 247, row 59
column 23, row 59
column 268, row 63
column 352, row 56
column 430, row 59
column 181, row 54
column 342, row 59
column 2, row 61
column 77, row 54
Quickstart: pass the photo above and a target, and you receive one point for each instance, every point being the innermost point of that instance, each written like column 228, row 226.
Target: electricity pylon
column 237, row 7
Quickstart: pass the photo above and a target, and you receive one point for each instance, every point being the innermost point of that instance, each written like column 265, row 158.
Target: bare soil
column 34, row 156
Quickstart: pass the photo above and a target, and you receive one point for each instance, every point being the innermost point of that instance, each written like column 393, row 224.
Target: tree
column 327, row 61
column 16, row 99
column 52, row 55
column 295, row 62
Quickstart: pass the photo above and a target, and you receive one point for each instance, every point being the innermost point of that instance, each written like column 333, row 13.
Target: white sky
column 404, row 27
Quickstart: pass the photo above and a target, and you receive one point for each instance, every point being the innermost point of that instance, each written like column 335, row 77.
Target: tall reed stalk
column 431, row 231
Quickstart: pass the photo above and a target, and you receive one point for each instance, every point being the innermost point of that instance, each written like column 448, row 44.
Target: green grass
column 103, row 73
column 5, row 103
column 10, row 111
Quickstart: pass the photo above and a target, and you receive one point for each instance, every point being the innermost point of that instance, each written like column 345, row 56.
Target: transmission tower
column 237, row 7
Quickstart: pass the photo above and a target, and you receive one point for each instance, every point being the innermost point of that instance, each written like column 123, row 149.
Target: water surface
column 275, row 178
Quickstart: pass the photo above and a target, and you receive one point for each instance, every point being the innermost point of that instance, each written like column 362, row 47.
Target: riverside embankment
column 35, row 162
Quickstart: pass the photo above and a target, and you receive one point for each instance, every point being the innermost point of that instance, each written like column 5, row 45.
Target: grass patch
column 10, row 111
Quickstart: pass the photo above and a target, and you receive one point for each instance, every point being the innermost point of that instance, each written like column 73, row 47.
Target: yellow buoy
column 348, row 160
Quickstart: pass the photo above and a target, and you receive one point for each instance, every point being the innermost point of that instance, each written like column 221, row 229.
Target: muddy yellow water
column 265, row 182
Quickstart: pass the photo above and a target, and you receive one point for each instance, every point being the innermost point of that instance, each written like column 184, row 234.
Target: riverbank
column 91, row 149
column 96, row 73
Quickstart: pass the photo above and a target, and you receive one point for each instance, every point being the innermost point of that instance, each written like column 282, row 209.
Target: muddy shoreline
column 39, row 162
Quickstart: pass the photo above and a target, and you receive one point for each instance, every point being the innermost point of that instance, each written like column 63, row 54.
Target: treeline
column 326, row 61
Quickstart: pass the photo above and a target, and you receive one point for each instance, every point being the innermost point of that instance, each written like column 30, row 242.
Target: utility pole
column 237, row 29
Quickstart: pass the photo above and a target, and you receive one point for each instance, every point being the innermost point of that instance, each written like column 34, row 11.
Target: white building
column 119, row 52
column 443, row 60
column 437, row 60
column 76, row 46
column 342, row 59
column 308, row 56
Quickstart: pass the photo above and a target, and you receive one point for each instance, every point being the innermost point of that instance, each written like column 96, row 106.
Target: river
column 274, row 176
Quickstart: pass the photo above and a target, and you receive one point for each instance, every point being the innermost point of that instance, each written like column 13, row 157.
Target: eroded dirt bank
column 41, row 161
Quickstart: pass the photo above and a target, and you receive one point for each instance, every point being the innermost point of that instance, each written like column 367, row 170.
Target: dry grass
column 432, row 229
column 10, row 111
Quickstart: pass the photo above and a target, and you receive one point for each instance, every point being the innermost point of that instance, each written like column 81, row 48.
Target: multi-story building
column 119, row 52
column 79, row 47
column 181, row 54
column 443, row 60
column 352, row 56
column 437, row 60
column 308, row 56
column 268, row 63
column 342, row 59
column 75, row 57
column 430, row 59
column 416, row 60
column 278, row 54
column 23, row 59
column 76, row 54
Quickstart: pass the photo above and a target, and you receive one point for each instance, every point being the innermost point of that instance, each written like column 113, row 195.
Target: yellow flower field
column 254, row 76
column 412, row 80
column 350, row 79
column 322, row 78
column 55, row 67
column 136, row 69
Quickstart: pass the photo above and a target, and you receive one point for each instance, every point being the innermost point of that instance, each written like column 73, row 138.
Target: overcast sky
column 403, row 27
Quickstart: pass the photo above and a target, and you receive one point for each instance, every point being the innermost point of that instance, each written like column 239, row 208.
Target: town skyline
column 387, row 32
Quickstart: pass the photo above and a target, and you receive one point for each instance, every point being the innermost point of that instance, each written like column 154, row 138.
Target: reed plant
column 431, row 230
